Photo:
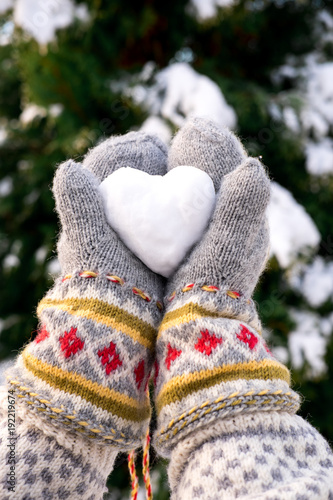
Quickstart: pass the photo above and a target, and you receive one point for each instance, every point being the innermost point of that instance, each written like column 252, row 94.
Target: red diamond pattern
column 70, row 343
column 139, row 372
column 42, row 335
column 171, row 355
column 207, row 342
column 247, row 337
column 109, row 358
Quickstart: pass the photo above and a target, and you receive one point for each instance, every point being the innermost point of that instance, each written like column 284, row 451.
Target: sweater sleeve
column 264, row 456
column 226, row 412
column 87, row 369
column 41, row 462
column 80, row 388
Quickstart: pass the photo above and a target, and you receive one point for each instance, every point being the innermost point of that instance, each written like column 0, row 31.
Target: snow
column 6, row 5
column 207, row 9
column 82, row 13
column 280, row 353
column 326, row 18
column 157, row 126
column 287, row 70
column 320, row 91
column 317, row 117
column 312, row 77
column 6, row 186
column 185, row 54
column 10, row 261
column 188, row 93
column 55, row 110
column 3, row 135
column 292, row 230
column 6, row 33
column 41, row 254
column 313, row 123
column 314, row 281
column 308, row 341
column 291, row 120
column 177, row 92
column 30, row 112
column 53, row 268
column 159, row 218
column 41, row 18
column 319, row 157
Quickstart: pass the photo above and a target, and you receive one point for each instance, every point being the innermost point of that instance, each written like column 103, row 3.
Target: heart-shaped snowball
column 159, row 218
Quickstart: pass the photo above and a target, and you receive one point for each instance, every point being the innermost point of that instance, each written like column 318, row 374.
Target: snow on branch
column 42, row 18
column 292, row 230
column 178, row 92
column 207, row 9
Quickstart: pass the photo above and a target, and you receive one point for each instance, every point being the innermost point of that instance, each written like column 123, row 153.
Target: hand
column 88, row 368
column 212, row 360
column 235, row 247
column 87, row 242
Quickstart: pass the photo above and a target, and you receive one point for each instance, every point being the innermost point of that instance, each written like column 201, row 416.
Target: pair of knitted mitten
column 88, row 368
column 84, row 378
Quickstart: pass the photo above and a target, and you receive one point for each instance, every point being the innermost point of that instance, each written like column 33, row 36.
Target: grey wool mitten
column 212, row 361
column 87, row 369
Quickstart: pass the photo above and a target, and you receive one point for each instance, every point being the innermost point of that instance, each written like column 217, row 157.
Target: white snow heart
column 159, row 218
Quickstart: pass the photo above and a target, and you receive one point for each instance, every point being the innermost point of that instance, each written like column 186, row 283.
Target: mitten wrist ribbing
column 197, row 298
column 89, row 365
column 210, row 366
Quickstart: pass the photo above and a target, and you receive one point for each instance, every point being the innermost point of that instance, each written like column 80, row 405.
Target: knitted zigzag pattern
column 89, row 366
column 210, row 366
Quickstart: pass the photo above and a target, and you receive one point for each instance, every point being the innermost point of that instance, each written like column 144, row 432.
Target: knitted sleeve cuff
column 89, row 366
column 263, row 456
column 40, row 464
column 210, row 366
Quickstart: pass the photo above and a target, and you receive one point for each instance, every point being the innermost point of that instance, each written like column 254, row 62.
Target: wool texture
column 212, row 360
column 265, row 456
column 61, row 466
column 204, row 145
column 136, row 150
column 88, row 368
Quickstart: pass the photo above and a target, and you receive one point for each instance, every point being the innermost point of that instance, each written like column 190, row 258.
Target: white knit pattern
column 269, row 456
column 45, row 469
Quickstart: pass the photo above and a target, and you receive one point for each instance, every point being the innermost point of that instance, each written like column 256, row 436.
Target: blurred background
column 74, row 72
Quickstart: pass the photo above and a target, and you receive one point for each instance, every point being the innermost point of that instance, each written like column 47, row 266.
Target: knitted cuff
column 35, row 465
column 89, row 366
column 265, row 456
column 196, row 299
column 210, row 366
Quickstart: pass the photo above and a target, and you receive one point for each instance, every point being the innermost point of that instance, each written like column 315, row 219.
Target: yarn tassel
column 145, row 468
column 145, row 471
column 134, row 477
